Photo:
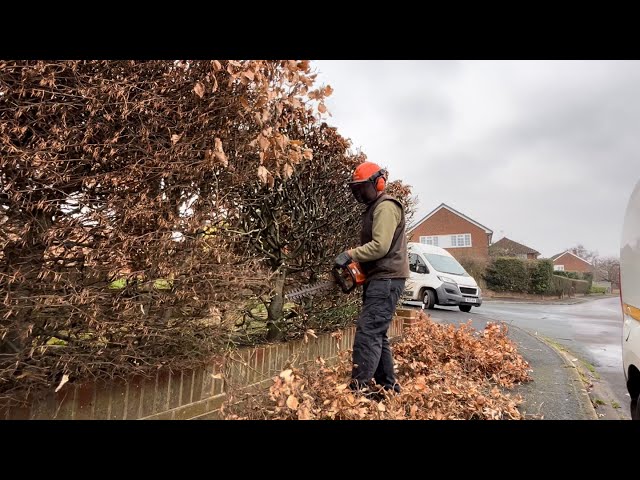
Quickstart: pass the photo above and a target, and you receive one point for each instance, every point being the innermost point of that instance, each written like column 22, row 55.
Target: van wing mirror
column 422, row 269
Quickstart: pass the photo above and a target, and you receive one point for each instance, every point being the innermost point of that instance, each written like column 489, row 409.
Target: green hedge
column 569, row 286
column 540, row 276
column 575, row 275
column 508, row 274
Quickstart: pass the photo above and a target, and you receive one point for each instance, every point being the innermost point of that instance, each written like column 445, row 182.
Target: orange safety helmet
column 370, row 172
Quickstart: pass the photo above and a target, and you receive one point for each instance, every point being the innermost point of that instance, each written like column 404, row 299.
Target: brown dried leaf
column 221, row 157
column 287, row 375
column 304, row 413
column 295, row 156
column 292, row 402
column 279, row 138
column 199, row 89
column 263, row 174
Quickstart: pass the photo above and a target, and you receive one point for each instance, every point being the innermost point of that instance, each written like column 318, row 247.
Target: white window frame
column 558, row 268
column 461, row 240
column 429, row 240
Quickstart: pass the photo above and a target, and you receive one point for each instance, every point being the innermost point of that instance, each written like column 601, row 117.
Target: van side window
column 415, row 261
column 422, row 264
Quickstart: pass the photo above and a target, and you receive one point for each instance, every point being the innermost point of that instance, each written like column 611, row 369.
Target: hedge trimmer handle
column 349, row 277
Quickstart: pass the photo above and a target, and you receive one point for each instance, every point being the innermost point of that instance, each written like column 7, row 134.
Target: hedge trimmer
column 348, row 278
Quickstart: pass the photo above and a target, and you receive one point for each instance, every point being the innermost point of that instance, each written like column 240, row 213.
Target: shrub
column 508, row 274
column 475, row 267
column 540, row 274
column 595, row 289
column 568, row 286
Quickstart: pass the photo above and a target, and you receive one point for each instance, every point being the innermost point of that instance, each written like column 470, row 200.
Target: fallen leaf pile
column 445, row 372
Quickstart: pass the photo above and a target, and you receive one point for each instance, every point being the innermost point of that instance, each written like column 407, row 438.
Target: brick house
column 447, row 228
column 570, row 262
column 505, row 247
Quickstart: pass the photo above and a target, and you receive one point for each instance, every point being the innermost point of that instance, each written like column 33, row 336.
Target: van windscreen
column 446, row 264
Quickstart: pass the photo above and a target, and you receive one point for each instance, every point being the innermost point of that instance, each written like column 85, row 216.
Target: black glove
column 343, row 259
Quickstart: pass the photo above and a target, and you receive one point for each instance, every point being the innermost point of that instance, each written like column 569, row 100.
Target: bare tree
column 582, row 252
column 608, row 269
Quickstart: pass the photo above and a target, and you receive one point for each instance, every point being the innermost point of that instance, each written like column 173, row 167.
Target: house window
column 521, row 255
column 429, row 240
column 558, row 268
column 461, row 240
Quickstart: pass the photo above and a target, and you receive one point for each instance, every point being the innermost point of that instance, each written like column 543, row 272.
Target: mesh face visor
column 363, row 192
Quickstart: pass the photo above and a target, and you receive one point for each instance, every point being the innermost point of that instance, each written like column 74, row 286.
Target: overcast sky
column 543, row 152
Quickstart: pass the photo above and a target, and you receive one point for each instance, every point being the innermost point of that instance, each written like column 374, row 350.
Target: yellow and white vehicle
column 630, row 299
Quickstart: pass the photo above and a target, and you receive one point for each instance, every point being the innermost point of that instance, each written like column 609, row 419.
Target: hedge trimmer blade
column 308, row 290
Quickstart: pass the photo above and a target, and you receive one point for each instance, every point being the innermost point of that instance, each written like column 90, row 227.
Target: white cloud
column 545, row 150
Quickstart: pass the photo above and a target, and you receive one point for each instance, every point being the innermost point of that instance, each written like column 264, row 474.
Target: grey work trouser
column 371, row 351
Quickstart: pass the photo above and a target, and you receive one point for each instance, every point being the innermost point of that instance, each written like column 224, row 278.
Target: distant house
column 460, row 235
column 570, row 262
column 505, row 247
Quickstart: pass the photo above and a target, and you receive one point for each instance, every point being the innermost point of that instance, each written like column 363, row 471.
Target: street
column 589, row 331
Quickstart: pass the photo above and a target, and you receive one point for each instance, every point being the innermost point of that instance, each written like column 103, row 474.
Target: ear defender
column 380, row 180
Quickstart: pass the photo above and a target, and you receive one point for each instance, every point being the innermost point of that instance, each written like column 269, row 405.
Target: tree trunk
column 275, row 309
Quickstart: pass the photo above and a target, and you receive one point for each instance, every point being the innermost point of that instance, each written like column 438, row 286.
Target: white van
column 438, row 279
column 630, row 299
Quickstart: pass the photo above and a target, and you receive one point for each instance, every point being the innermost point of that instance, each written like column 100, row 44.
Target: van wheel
column 465, row 308
column 429, row 300
column 635, row 409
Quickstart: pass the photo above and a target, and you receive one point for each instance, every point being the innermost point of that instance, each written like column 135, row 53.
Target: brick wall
column 572, row 263
column 445, row 222
column 193, row 394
